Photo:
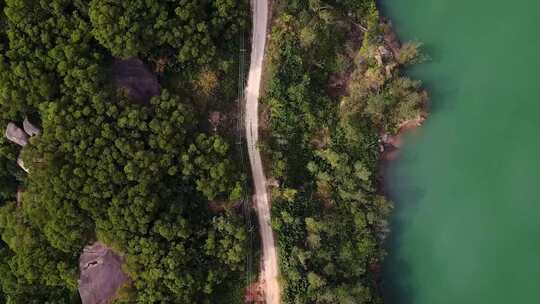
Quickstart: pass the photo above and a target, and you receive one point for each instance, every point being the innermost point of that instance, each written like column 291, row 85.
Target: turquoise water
column 467, row 219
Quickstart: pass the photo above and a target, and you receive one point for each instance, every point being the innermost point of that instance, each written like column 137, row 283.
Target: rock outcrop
column 215, row 119
column 391, row 144
column 20, row 137
column 101, row 274
column 136, row 79
column 16, row 134
column 20, row 162
column 30, row 128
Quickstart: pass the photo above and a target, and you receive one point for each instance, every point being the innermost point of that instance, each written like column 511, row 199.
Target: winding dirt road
column 270, row 271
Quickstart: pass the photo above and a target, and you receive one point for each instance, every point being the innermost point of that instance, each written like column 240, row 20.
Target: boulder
column 101, row 274
column 385, row 53
column 133, row 76
column 215, row 119
column 30, row 128
column 272, row 182
column 16, row 135
column 20, row 162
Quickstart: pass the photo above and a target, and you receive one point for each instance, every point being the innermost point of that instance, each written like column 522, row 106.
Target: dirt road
column 270, row 264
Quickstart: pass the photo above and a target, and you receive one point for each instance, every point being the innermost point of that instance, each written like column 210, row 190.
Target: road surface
column 270, row 271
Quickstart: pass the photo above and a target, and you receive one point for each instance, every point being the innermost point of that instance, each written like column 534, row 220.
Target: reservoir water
column 466, row 229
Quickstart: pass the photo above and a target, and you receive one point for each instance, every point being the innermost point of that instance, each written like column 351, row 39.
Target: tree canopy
column 137, row 177
column 188, row 29
column 334, row 88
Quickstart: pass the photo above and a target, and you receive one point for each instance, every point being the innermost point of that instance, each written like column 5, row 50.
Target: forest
column 156, row 175
column 137, row 175
column 334, row 91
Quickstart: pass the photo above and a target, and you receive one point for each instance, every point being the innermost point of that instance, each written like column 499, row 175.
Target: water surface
column 467, row 193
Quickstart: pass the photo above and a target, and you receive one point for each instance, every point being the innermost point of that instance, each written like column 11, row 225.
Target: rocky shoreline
column 390, row 144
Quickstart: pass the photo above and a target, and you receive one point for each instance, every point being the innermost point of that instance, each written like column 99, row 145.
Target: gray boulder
column 133, row 76
column 20, row 162
column 30, row 128
column 101, row 274
column 16, row 135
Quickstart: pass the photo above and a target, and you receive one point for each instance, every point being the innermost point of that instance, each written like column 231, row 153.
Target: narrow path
column 269, row 272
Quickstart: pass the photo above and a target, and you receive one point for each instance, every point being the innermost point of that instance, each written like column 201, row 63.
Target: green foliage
column 32, row 271
column 327, row 212
column 104, row 168
column 204, row 161
column 189, row 30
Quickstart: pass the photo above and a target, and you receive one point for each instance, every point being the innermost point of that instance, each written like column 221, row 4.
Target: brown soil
column 254, row 294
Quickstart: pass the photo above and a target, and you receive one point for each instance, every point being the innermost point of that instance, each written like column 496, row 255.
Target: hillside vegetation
column 138, row 177
column 334, row 89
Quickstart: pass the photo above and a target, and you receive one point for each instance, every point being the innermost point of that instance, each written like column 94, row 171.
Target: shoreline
column 391, row 144
column 368, row 86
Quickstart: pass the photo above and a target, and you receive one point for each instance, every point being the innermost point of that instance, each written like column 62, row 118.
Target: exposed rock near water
column 101, row 274
column 390, row 37
column 390, row 144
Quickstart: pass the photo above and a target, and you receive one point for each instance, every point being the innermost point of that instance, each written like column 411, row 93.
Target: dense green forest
column 334, row 89
column 138, row 177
